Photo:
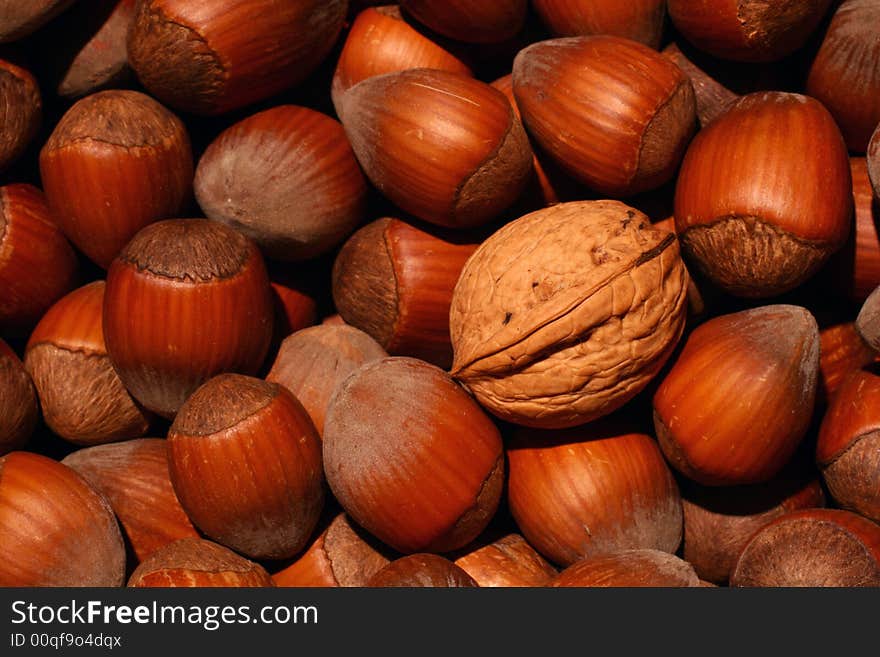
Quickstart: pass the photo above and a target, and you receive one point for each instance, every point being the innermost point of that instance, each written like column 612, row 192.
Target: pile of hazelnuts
column 292, row 293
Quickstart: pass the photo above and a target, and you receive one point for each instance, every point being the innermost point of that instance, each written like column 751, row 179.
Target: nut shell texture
column 565, row 314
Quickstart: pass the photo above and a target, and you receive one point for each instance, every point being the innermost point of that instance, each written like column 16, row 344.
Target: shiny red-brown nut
column 473, row 21
column 811, row 548
column 86, row 50
column 133, row 476
column 848, row 449
column 841, row 351
column 739, row 399
column 507, row 562
column 22, row 111
column 115, row 162
column 639, row 20
column 197, row 563
column 245, row 462
column 185, row 300
column 213, row 56
column 411, row 457
column 874, row 161
column 592, row 489
column 629, row 568
column 764, row 195
column 287, row 178
column 718, row 522
column 37, row 264
column 19, row 411
column 442, row 146
column 613, row 113
column 394, row 280
column 343, row 554
column 712, row 97
column 19, row 19
column 747, row 30
column 311, row 364
column 422, row 570
column 57, row 530
column 868, row 321
column 82, row 398
column 295, row 309
column 845, row 75
column 382, row 41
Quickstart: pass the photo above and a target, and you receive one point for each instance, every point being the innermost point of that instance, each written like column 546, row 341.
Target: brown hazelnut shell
column 629, row 568
column 841, row 351
column 20, row 19
column 473, row 22
column 639, row 20
column 19, row 411
column 22, row 111
column 867, row 323
column 711, row 96
column 422, row 570
column 506, row 562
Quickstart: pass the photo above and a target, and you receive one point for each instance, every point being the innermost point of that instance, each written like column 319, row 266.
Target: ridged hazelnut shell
column 442, row 146
column 57, row 530
column 812, row 548
column 312, row 363
column 115, row 162
column 245, row 463
column 31, row 242
column 20, row 19
column 764, row 195
column 565, row 314
column 739, row 399
column 581, row 492
column 845, row 75
column 747, row 30
column 841, row 351
column 639, row 20
column 19, row 411
column 473, row 22
column 185, row 300
column 197, row 563
column 82, row 398
column 22, row 111
column 507, row 562
column 629, row 569
column 411, row 457
column 287, row 178
column 198, row 57
column 613, row 113
column 133, row 476
column 422, row 570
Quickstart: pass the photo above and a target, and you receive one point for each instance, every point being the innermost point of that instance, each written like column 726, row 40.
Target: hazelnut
column 739, row 398
column 764, row 195
column 411, row 457
column 19, row 411
column 22, row 113
column 507, row 562
column 565, row 314
column 82, row 398
column 841, row 351
column 245, row 462
column 394, row 280
column 422, row 570
column 185, row 300
column 867, row 323
column 629, row 568
column 466, row 20
column 639, row 20
column 287, row 178
column 19, row 19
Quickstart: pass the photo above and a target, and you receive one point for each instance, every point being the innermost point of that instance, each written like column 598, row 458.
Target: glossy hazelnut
column 506, row 562
column 639, row 20
column 57, row 530
column 466, row 20
column 96, row 162
column 629, row 568
column 411, row 457
column 613, row 113
column 764, row 195
column 311, row 364
column 31, row 242
column 442, row 146
column 133, row 476
column 811, row 548
column 19, row 411
column 343, row 554
column 82, row 398
column 845, row 75
column 841, row 351
column 287, row 178
column 295, row 309
column 422, row 570
column 23, row 111
column 848, row 449
column 592, row 489
column 185, row 299
column 197, row 563
column 747, row 30
column 197, row 56
column 19, row 19
column 394, row 280
column 382, row 40
column 739, row 399
column 245, row 462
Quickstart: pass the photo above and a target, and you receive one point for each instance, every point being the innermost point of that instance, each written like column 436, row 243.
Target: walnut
column 565, row 314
